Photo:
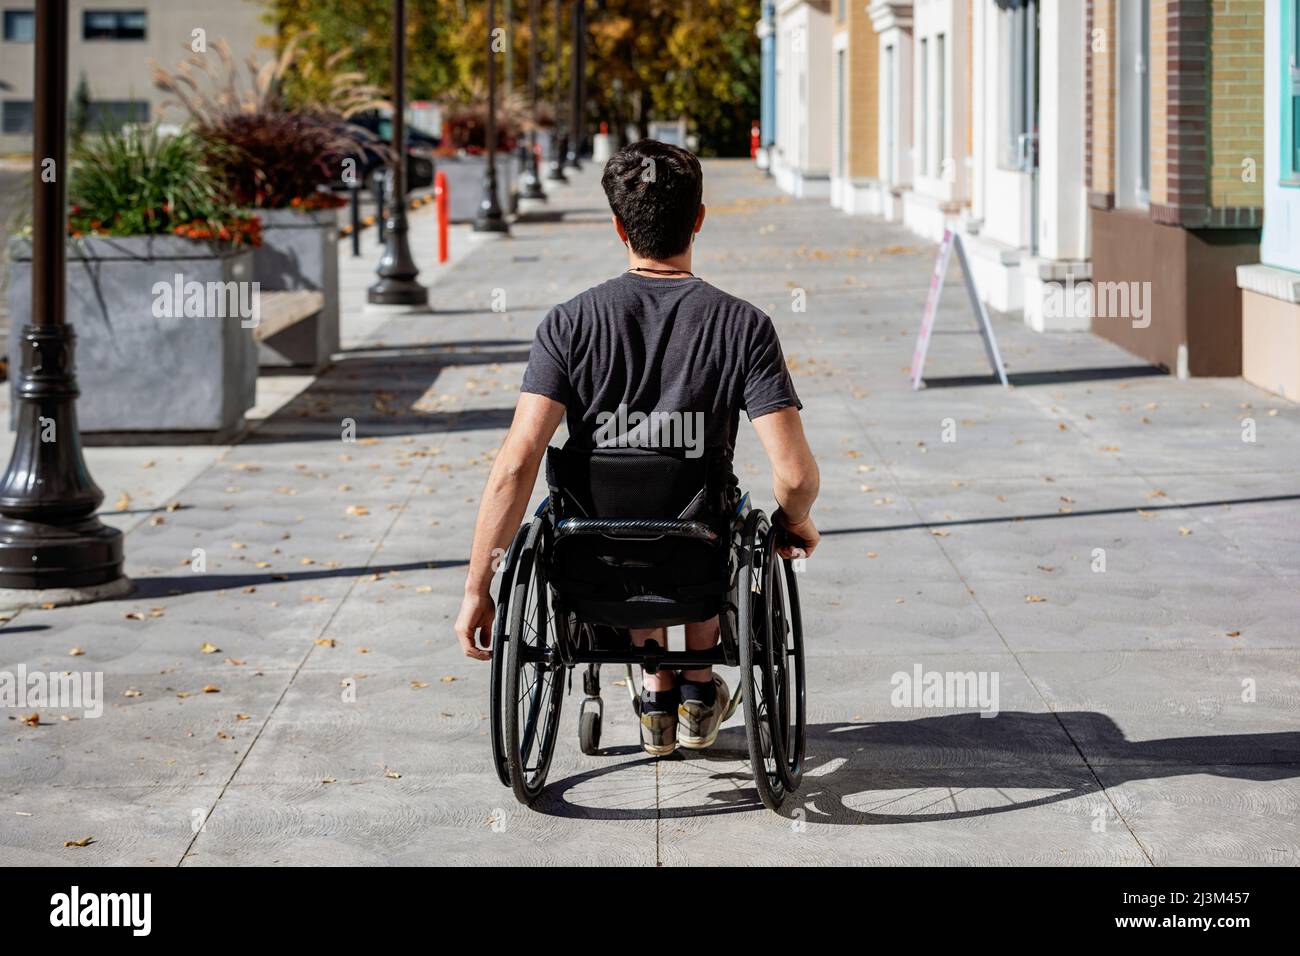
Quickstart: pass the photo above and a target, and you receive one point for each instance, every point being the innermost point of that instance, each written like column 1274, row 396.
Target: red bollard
column 753, row 140
column 443, row 201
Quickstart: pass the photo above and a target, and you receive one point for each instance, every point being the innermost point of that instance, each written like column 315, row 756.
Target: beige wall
column 119, row 69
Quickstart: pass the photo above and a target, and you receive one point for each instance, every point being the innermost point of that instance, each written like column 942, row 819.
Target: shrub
column 266, row 154
column 136, row 182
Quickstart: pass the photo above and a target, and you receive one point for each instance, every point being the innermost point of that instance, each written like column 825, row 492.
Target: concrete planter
column 465, row 182
column 143, row 363
column 300, row 251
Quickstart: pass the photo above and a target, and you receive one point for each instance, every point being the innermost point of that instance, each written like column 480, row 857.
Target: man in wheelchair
column 651, row 369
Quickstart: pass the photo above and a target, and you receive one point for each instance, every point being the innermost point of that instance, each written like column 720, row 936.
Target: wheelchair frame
column 536, row 643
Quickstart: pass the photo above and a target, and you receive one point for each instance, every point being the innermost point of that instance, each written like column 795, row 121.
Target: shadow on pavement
column 1056, row 377
column 173, row 584
column 934, row 769
column 380, row 390
column 1053, row 515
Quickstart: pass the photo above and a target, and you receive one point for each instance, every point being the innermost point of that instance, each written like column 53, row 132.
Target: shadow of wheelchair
column 931, row 769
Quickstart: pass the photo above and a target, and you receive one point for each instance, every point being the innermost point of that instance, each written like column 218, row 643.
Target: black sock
column 659, row 701
column 703, row 692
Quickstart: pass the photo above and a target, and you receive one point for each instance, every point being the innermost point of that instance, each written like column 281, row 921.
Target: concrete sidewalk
column 1147, row 713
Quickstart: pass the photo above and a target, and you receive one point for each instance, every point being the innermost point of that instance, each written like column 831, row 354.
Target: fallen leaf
column 418, row 685
column 358, row 511
column 1234, row 633
column 242, row 717
column 84, row 841
column 134, row 616
column 392, row 774
column 448, row 679
column 76, row 652
column 131, row 692
column 326, row 642
column 32, row 720
column 871, row 554
column 938, row 533
column 211, row 689
column 1034, row 599
column 1184, row 531
column 123, row 503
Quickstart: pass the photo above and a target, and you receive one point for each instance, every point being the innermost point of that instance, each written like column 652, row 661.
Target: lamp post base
column 52, row 557
column 397, row 292
column 18, row 599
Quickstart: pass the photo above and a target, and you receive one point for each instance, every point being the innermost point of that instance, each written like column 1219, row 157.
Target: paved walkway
column 1148, row 713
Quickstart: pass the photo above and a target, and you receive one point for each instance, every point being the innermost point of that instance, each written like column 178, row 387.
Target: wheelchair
column 634, row 538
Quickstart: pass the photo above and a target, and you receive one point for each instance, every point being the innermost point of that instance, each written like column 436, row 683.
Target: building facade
column 802, row 155
column 855, row 165
column 1027, row 227
column 1174, row 106
column 1270, row 289
column 110, row 46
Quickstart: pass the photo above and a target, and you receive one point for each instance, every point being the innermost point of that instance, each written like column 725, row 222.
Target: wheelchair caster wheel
column 589, row 728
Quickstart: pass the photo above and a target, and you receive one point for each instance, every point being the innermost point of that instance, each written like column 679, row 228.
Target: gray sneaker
column 698, row 724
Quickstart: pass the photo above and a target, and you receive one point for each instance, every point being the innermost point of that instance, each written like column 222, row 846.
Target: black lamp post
column 532, row 181
column 556, row 172
column 50, row 540
column 397, row 271
column 489, row 218
column 577, row 64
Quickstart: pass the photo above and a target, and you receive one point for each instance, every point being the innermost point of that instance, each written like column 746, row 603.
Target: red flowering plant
column 137, row 182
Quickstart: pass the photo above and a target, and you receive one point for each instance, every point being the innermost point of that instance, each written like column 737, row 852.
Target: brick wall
column 1236, row 75
column 1101, row 155
column 864, row 98
column 1161, row 167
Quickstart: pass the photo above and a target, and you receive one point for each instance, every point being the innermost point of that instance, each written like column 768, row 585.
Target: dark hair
column 654, row 189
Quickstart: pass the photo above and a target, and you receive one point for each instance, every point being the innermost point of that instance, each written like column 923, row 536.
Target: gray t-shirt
column 659, row 363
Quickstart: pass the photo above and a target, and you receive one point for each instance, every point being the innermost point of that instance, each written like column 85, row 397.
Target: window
column 922, row 105
column 842, row 120
column 113, row 25
column 1290, row 92
column 1133, row 113
column 1019, row 82
column 20, row 26
column 110, row 114
column 1144, row 71
column 941, row 96
column 16, row 116
column 890, row 81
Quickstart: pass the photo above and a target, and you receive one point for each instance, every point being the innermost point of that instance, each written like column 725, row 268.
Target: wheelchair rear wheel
column 499, row 654
column 534, row 675
column 770, row 636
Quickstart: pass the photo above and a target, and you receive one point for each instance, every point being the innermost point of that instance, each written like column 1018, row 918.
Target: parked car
column 374, row 156
column 381, row 124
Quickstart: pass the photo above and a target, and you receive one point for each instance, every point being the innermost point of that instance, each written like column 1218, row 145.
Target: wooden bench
column 286, row 333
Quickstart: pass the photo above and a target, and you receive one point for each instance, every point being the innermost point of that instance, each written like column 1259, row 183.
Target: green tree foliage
column 647, row 59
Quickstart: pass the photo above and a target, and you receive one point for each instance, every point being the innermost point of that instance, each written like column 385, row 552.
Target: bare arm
column 795, row 478
column 505, row 499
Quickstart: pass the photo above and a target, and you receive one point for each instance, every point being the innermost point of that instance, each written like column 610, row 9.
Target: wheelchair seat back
column 641, row 538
